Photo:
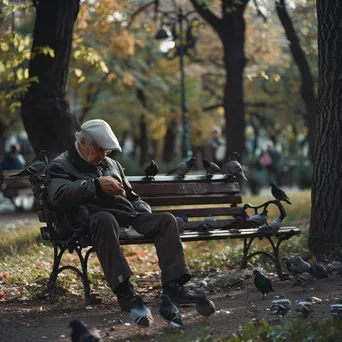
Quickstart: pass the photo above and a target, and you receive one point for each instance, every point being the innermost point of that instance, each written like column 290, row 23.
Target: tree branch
column 139, row 10
column 260, row 14
column 203, row 10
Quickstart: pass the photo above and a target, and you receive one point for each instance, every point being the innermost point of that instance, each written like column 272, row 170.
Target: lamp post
column 179, row 32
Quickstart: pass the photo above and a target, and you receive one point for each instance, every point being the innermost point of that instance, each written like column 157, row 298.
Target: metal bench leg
column 246, row 246
column 57, row 256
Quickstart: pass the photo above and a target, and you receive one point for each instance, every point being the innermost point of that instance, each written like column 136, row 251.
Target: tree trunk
column 143, row 141
column 325, row 235
column 45, row 111
column 307, row 83
column 170, row 141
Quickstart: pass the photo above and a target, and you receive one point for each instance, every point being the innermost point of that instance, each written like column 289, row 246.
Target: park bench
column 197, row 195
column 11, row 188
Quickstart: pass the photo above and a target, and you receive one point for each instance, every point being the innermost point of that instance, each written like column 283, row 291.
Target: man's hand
column 110, row 186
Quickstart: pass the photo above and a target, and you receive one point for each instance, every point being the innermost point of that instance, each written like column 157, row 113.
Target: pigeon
column 263, row 283
column 303, row 266
column 279, row 193
column 211, row 168
column 292, row 268
column 170, row 313
column 182, row 221
column 233, row 167
column 204, row 306
column 37, row 168
column 318, row 270
column 335, row 310
column 140, row 314
column 151, row 170
column 234, row 156
column 183, row 168
column 304, row 308
column 82, row 333
column 281, row 306
column 209, row 223
column 303, row 280
column 272, row 227
column 258, row 220
column 335, row 269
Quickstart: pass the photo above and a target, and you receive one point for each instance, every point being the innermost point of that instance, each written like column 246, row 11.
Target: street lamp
column 178, row 33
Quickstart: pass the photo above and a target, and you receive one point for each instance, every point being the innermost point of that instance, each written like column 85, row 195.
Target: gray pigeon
column 292, row 268
column 318, row 270
column 234, row 156
column 335, row 268
column 279, row 193
column 140, row 314
column 259, row 219
column 263, row 283
column 335, row 310
column 182, row 221
column 151, row 170
column 170, row 313
column 82, row 333
column 204, row 306
column 37, row 168
column 304, row 308
column 182, row 168
column 209, row 223
column 303, row 280
column 280, row 307
column 272, row 227
column 303, row 266
column 233, row 168
column 211, row 168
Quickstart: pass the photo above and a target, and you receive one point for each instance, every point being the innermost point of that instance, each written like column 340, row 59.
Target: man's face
column 93, row 153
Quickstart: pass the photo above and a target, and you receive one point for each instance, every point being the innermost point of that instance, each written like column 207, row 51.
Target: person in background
column 13, row 159
column 270, row 160
column 216, row 147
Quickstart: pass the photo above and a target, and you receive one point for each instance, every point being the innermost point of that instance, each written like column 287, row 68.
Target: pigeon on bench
column 182, row 168
column 151, row 170
column 279, row 193
column 211, row 168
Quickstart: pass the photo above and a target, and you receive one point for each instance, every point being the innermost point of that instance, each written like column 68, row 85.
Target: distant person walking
column 13, row 159
column 215, row 150
column 270, row 161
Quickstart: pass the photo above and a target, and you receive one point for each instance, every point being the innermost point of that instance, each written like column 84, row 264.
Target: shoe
column 179, row 294
column 127, row 298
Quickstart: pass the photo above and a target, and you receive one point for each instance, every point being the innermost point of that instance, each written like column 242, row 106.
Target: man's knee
column 104, row 220
column 169, row 219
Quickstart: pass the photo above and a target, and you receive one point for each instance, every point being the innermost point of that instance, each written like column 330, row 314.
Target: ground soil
column 48, row 320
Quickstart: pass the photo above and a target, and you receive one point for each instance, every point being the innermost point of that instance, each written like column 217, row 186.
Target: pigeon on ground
column 259, row 219
column 335, row 310
column 82, row 333
column 303, row 280
column 263, row 283
column 233, row 168
column 291, row 268
column 335, row 269
column 209, row 223
column 304, row 308
column 281, row 306
column 204, row 306
column 182, row 221
column 318, row 270
column 37, row 168
column 211, row 168
column 303, row 266
column 170, row 313
column 183, row 168
column 151, row 170
column 140, row 314
column 279, row 193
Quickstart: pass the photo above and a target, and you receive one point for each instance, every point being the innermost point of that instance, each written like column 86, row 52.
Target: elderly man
column 85, row 177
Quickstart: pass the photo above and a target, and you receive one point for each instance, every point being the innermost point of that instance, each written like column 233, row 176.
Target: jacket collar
column 83, row 165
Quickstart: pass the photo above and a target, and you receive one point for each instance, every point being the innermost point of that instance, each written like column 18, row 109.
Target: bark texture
column 325, row 235
column 45, row 111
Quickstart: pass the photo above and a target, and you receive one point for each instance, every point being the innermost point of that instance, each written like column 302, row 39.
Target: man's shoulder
column 62, row 159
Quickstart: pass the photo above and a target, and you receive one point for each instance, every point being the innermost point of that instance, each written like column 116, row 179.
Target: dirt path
column 38, row 321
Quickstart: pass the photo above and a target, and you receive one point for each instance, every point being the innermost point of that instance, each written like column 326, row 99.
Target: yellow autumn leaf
column 78, row 72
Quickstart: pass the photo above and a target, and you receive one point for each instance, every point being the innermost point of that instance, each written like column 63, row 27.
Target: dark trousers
column 161, row 227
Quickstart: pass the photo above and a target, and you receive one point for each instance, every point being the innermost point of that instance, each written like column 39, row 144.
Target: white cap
column 102, row 134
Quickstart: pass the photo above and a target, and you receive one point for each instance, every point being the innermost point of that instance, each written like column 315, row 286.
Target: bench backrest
column 197, row 195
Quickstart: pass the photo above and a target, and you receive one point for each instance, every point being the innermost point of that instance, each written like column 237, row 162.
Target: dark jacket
column 71, row 184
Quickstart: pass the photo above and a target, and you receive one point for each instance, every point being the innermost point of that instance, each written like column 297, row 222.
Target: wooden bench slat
column 168, row 189
column 202, row 212
column 215, row 235
column 196, row 224
column 192, row 200
column 189, row 178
